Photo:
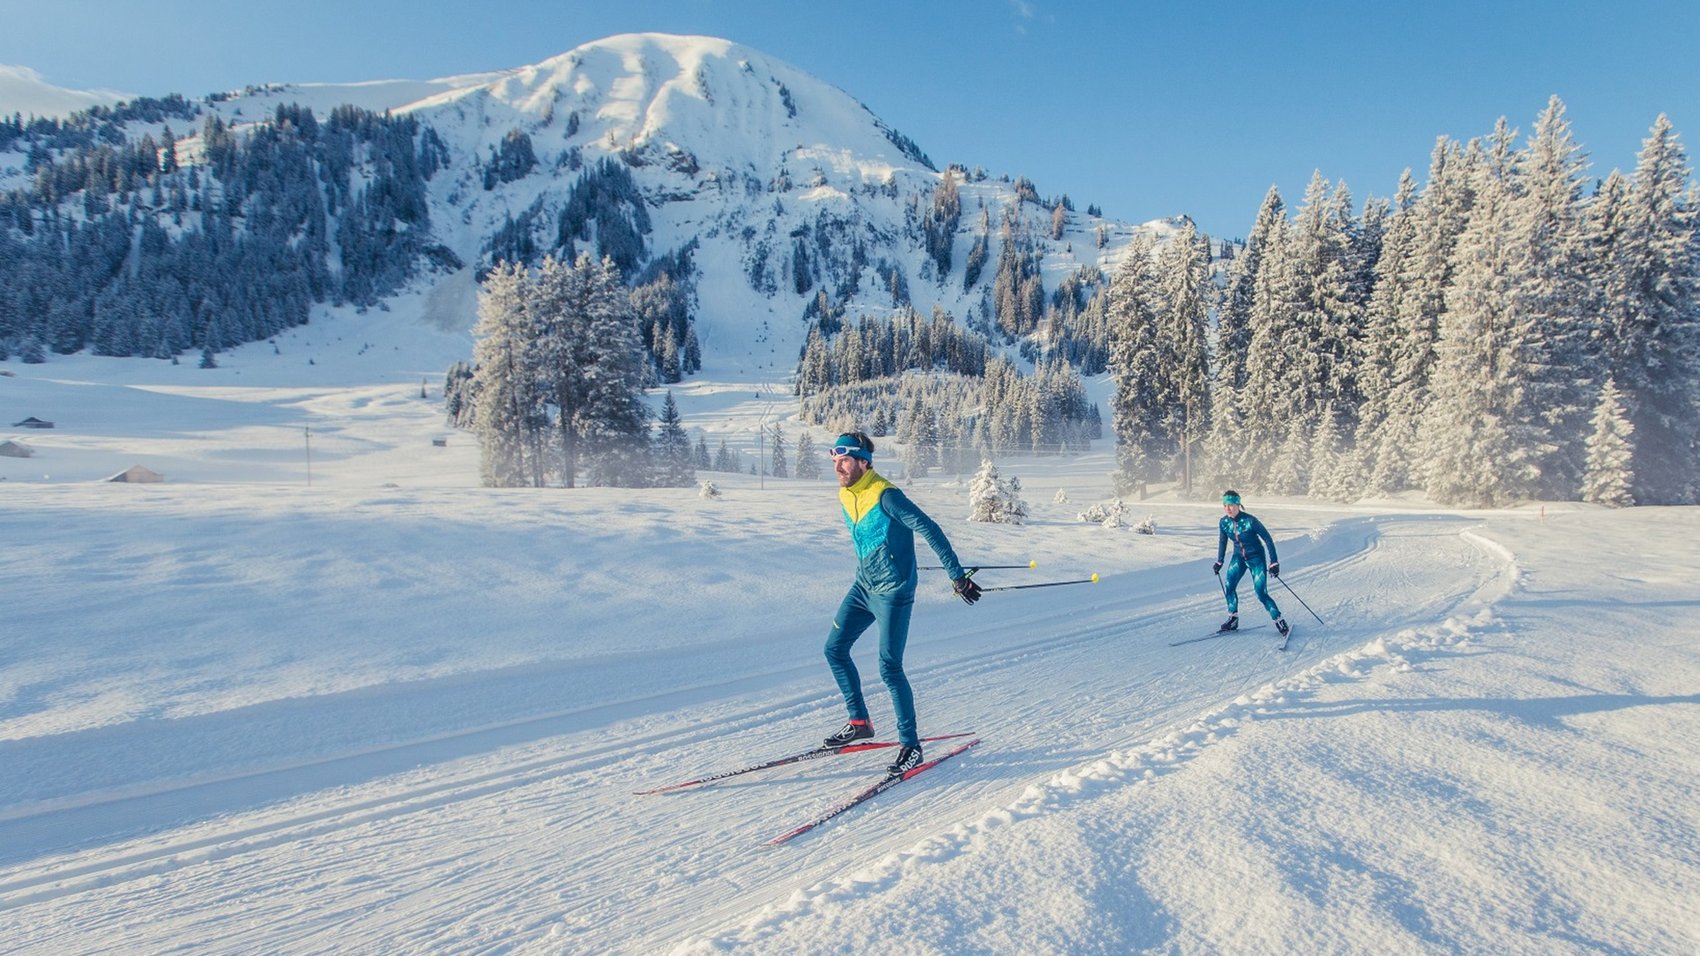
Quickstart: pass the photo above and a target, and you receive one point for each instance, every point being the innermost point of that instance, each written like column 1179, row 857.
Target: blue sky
column 1144, row 109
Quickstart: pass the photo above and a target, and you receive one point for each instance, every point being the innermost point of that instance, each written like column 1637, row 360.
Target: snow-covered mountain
column 24, row 92
column 786, row 185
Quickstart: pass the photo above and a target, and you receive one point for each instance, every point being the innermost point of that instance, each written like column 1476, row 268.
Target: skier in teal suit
column 1250, row 540
column 883, row 523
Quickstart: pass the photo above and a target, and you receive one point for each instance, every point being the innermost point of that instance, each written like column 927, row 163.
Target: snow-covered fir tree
column 1185, row 296
column 1135, row 363
column 724, row 460
column 995, row 499
column 615, row 421
column 1109, row 515
column 1334, row 475
column 509, row 402
column 1379, row 464
column 1330, row 316
column 1268, row 405
column 1436, row 220
column 777, row 466
column 675, row 460
column 1649, row 270
column 809, row 455
column 1553, row 292
column 559, row 366
column 1483, row 441
column 557, row 304
column 1226, row 444
column 1610, row 478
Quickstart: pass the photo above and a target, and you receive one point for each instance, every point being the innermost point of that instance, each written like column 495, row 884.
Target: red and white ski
column 886, row 783
column 812, row 754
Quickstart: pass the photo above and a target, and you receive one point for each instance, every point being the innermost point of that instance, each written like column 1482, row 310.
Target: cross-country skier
column 883, row 523
column 1249, row 537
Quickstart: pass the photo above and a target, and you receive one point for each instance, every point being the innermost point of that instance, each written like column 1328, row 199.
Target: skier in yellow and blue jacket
column 1250, row 538
column 883, row 523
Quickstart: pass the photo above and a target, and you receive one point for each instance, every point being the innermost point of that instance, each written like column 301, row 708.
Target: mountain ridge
column 785, row 188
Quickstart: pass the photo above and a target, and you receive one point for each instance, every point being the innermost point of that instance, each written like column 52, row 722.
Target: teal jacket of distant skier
column 883, row 523
column 1250, row 539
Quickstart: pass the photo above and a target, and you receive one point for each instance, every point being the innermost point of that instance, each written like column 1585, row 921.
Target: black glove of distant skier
column 1216, row 568
column 1275, row 569
column 967, row 590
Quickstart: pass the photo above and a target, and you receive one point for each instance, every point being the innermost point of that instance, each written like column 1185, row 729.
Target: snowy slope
column 391, row 711
column 734, row 150
column 25, row 92
column 785, row 187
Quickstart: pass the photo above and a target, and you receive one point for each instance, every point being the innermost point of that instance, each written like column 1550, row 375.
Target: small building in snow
column 32, row 422
column 15, row 449
column 137, row 474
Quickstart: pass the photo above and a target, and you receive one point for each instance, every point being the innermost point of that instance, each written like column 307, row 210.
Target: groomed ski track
column 524, row 836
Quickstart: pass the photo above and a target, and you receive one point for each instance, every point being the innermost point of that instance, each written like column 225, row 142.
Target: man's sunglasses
column 839, row 451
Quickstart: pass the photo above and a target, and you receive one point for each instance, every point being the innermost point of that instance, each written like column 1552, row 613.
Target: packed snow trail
column 525, row 836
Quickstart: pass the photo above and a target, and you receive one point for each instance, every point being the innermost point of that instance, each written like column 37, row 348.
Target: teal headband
column 1230, row 499
column 852, row 446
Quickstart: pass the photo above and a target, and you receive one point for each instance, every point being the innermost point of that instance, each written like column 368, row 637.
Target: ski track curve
column 522, row 841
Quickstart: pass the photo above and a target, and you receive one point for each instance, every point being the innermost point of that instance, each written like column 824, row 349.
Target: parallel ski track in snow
column 525, row 840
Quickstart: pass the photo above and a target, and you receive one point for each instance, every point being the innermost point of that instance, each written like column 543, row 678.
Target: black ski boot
column 908, row 758
column 853, row 731
column 1281, row 625
column 1231, row 624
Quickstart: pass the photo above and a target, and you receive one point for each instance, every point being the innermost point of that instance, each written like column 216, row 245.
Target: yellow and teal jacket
column 883, row 522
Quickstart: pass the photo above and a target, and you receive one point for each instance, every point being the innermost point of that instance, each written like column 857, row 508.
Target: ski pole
column 985, row 567
column 1048, row 584
column 1301, row 600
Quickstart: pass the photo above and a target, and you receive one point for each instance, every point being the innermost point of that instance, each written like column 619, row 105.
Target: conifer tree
column 1136, row 409
column 1437, row 220
column 808, row 457
column 1483, row 446
column 1554, row 295
column 992, row 498
column 1610, row 478
column 1185, row 295
column 558, row 303
column 777, row 466
column 614, row 421
column 1333, row 474
column 674, row 458
column 1269, row 405
column 1382, row 454
column 508, row 401
column 939, row 224
column 814, row 372
column 1227, row 442
column 724, row 460
column 1650, row 276
column 1323, row 342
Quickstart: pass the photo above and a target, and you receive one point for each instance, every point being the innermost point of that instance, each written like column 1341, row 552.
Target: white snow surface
column 26, row 92
column 318, row 691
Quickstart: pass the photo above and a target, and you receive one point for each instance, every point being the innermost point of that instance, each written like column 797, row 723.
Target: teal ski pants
column 861, row 609
column 1259, row 582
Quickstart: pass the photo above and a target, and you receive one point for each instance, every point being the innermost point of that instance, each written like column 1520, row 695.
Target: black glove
column 1275, row 569
column 1216, row 568
column 966, row 589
